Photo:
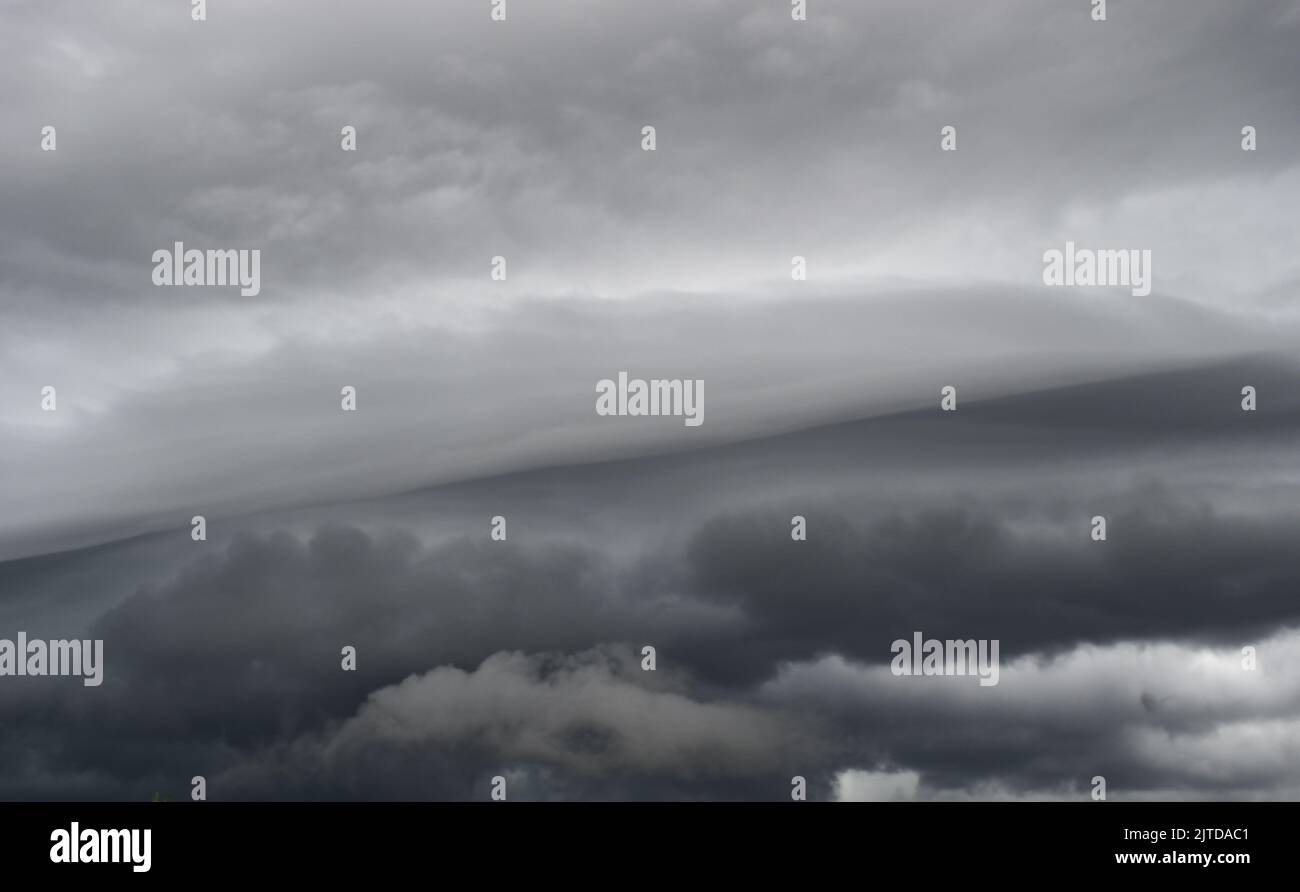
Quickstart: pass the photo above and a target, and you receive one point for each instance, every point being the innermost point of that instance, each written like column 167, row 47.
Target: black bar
column 672, row 842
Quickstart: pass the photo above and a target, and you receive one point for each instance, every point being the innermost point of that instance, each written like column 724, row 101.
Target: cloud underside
column 523, row 658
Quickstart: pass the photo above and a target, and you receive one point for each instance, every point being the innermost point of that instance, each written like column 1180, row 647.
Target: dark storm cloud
column 241, row 651
column 233, row 664
column 233, row 667
column 1170, row 571
column 521, row 658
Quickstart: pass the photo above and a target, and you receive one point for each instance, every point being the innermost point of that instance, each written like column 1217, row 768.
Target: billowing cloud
column 587, row 713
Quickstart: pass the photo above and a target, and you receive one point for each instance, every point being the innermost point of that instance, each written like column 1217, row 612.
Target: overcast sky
column 775, row 138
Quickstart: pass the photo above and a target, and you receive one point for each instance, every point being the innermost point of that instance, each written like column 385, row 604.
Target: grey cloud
column 523, row 139
column 1051, row 725
column 776, row 138
column 248, row 433
column 589, row 714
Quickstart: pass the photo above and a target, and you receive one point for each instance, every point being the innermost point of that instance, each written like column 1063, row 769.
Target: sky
column 774, row 138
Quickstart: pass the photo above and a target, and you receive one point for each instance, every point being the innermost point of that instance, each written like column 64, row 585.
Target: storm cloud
column 776, row 139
